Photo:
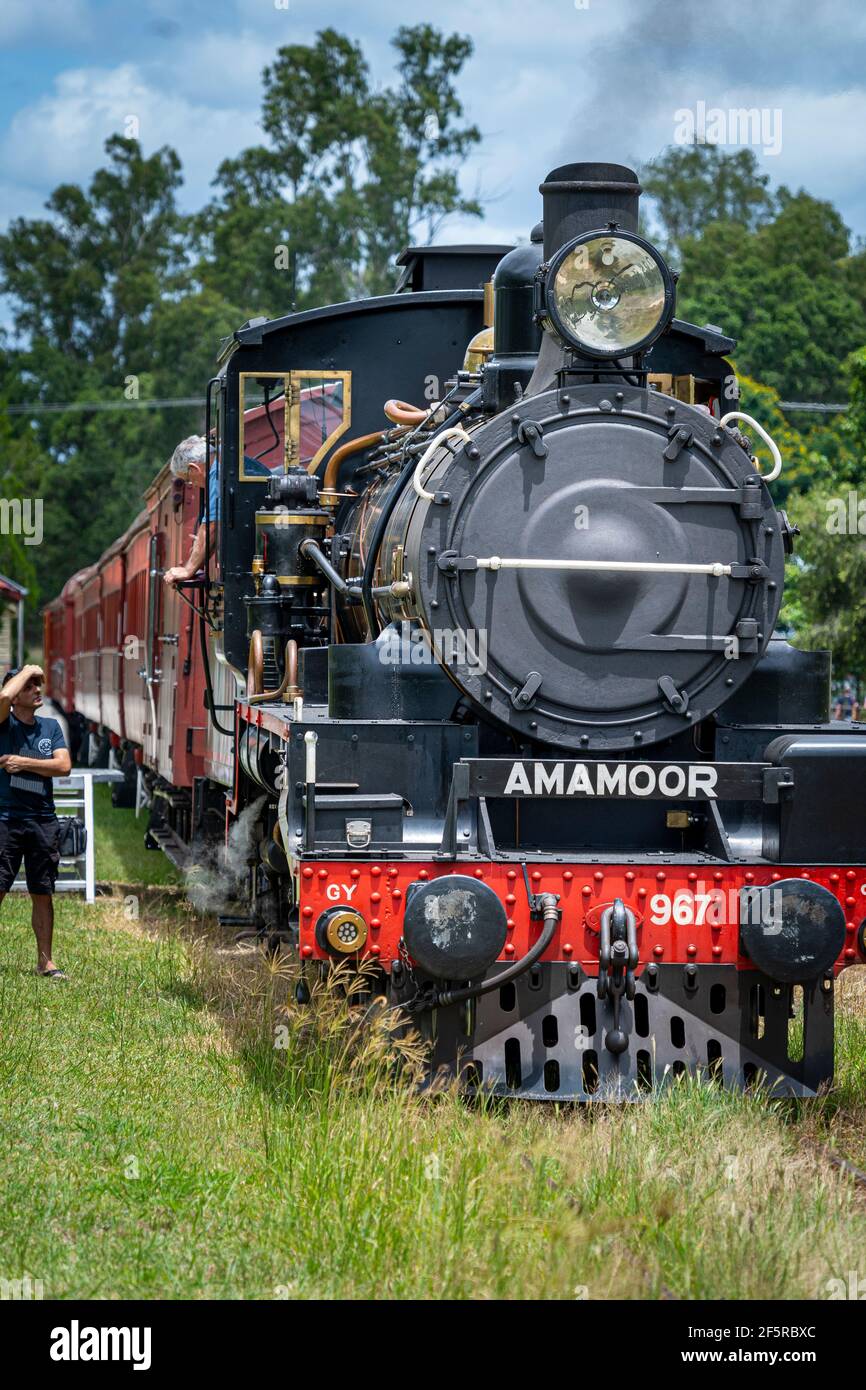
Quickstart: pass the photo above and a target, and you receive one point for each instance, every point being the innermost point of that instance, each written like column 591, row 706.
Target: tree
column 826, row 600
column 693, row 186
column 784, row 291
column 348, row 176
column 105, row 310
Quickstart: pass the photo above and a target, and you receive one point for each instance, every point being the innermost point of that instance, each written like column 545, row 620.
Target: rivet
column 693, row 878
column 598, row 876
column 510, row 924
column 375, row 871
column 375, row 897
column 629, row 878
column 510, row 900
column 567, row 876
column 850, row 902
column 396, row 894
column 511, row 875
column 691, row 949
column 717, row 950
column 509, row 949
column 375, row 922
column 834, row 878
column 641, row 892
column 375, row 950
column 479, row 873
column 308, row 911
column 661, row 876
column 567, row 948
column 750, row 878
column 586, row 890
column 658, row 950
column 850, row 953
column 306, row 951
column 536, row 877
column 718, row 877
column 775, row 877
column 423, row 874
column 850, row 875
column 323, row 873
column 308, row 873
column 355, row 873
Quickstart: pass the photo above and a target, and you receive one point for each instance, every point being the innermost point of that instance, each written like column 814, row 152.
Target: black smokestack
column 582, row 197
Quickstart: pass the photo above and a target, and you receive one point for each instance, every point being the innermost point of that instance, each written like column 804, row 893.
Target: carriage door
column 152, row 669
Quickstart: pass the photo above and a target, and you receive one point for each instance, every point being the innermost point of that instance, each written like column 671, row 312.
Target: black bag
column 73, row 837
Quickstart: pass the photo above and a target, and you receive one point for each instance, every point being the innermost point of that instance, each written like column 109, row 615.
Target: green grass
column 155, row 1143
column 120, row 853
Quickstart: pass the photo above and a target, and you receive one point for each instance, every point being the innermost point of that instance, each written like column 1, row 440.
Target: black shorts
column 37, row 842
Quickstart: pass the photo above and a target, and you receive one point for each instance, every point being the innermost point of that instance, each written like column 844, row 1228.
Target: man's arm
column 58, row 765
column 195, row 559
column 12, row 689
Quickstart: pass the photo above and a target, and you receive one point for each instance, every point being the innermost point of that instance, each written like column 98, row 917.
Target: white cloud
column 43, row 20
column 60, row 136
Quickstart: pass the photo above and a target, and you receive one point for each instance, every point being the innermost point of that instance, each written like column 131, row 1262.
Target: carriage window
column 290, row 418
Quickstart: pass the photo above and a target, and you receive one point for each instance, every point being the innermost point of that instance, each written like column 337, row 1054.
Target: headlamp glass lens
column 609, row 294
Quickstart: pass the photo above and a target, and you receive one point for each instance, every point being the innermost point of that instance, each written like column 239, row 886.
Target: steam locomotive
column 494, row 678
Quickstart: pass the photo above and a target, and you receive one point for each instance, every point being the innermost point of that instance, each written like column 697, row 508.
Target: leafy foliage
column 117, row 297
column 348, row 176
column 825, row 596
column 775, row 272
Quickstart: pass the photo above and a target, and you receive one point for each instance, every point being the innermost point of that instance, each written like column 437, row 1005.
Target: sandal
column 52, row 975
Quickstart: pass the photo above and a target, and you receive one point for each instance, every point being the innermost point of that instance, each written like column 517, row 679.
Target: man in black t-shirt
column 32, row 751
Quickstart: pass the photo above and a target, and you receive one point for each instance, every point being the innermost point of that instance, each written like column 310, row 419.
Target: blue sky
column 550, row 81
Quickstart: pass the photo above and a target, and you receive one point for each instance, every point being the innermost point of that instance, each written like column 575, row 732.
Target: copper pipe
column 364, row 441
column 329, row 483
column 255, row 663
column 402, row 413
column 288, row 688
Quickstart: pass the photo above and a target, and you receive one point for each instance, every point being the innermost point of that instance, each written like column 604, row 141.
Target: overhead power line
column 59, row 407
column 181, row 402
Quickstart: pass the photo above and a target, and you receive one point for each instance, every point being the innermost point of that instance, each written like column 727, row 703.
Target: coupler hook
column 617, row 961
